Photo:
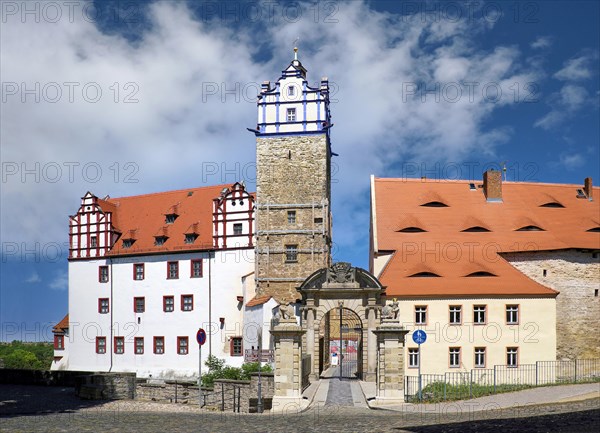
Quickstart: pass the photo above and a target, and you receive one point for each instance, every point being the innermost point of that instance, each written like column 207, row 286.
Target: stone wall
column 576, row 275
column 294, row 171
column 106, row 386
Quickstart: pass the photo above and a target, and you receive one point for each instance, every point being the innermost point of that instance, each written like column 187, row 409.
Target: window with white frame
column 101, row 345
column 454, row 354
column 421, row 315
column 512, row 356
column 182, row 345
column 479, row 314
column 103, row 306
column 512, row 314
column 168, row 304
column 119, row 345
column 159, row 345
column 139, row 345
column 138, row 271
column 291, row 114
column 413, row 357
column 455, row 314
column 480, row 357
column 187, row 302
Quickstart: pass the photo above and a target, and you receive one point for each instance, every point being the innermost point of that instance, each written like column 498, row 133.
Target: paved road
column 582, row 416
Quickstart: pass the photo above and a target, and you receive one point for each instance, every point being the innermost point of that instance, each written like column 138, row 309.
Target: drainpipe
column 110, row 309
column 210, row 302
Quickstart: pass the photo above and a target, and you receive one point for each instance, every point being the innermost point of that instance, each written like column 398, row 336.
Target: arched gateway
column 341, row 307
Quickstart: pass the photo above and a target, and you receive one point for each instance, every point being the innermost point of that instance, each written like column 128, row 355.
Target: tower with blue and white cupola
column 293, row 182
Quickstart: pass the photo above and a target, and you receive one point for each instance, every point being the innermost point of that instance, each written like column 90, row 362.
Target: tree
column 22, row 359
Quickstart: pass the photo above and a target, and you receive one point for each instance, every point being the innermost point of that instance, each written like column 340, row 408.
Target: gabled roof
column 446, row 250
column 61, row 326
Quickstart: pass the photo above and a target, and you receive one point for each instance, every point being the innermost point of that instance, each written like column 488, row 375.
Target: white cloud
column 372, row 59
column 566, row 103
column 60, row 281
column 542, row 42
column 33, row 278
column 572, row 161
column 579, row 68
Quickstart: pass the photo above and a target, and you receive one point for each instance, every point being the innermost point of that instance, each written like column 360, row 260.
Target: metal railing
column 478, row 382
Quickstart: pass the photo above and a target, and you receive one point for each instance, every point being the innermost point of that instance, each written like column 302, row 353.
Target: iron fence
column 478, row 382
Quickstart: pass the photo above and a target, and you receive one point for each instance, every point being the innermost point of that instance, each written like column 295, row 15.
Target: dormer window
column 480, row 274
column 434, row 204
column 127, row 243
column 411, row 230
column 160, row 240
column 552, row 204
column 475, row 229
column 291, row 114
column 170, row 218
column 530, row 228
column 190, row 238
column 424, row 275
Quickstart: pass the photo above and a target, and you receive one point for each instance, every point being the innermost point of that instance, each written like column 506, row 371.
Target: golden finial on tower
column 296, row 48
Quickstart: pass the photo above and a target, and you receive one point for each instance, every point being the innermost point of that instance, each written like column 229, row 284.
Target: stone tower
column 293, row 183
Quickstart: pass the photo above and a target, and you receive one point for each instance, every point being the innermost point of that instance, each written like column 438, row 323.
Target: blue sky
column 124, row 98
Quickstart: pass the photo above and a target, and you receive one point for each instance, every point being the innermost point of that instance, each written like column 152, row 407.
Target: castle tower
column 293, row 185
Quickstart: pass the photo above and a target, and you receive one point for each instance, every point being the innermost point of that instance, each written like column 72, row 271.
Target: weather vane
column 296, row 48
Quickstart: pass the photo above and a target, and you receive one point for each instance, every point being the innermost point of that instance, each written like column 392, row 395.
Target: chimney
column 588, row 188
column 492, row 185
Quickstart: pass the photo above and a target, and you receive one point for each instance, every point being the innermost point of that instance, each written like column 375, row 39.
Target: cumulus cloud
column 541, row 42
column 60, row 281
column 178, row 99
column 33, row 278
column 579, row 68
column 571, row 161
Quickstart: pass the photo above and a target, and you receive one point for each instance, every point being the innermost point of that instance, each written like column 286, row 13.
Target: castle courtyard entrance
column 341, row 344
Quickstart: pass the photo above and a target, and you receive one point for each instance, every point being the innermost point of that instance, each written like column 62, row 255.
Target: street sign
column 201, row 336
column 419, row 336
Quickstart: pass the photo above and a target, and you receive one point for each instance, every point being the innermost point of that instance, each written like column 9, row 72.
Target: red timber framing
column 234, row 206
column 92, row 220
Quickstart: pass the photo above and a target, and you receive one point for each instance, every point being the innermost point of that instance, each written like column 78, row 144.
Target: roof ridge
column 170, row 191
column 504, row 182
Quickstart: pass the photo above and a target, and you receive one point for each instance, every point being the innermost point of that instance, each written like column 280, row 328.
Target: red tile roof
column 446, row 250
column 258, row 300
column 143, row 217
column 61, row 326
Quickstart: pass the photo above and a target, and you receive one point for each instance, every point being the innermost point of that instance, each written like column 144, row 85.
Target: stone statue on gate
column 286, row 312
column 391, row 311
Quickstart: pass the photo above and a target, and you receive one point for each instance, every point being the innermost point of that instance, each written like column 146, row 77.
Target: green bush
column 31, row 356
column 217, row 369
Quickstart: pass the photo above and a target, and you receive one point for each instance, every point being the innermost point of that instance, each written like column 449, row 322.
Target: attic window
column 580, row 193
column 411, row 230
column 190, row 238
column 170, row 218
column 160, row 240
column 594, row 230
column 552, row 204
column 472, row 187
column 475, row 229
column 127, row 243
column 434, row 204
column 424, row 275
column 481, row 274
column 530, row 229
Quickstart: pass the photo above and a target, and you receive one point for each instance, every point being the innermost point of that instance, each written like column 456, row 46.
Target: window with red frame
column 119, row 345
column 187, row 302
column 103, row 307
column 138, row 271
column 159, row 345
column 139, row 304
column 168, row 304
column 182, row 345
column 103, row 274
column 196, row 271
column 59, row 342
column 101, row 345
column 139, row 345
column 172, row 270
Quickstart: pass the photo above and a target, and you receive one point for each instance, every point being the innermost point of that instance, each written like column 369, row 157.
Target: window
column 455, row 314
column 196, row 271
column 291, row 114
column 59, row 342
column 291, row 90
column 479, row 314
column 139, row 345
column 291, row 217
column 413, row 357
column 190, row 238
column 170, row 218
column 168, row 304
column 512, row 356
column 454, row 361
column 187, row 302
column 119, row 345
column 93, row 241
column 291, row 253
column 512, row 314
column 159, row 345
column 182, row 345
column 127, row 243
column 103, row 274
column 101, row 345
column 237, row 229
column 103, row 306
column 160, row 240
column 236, row 346
column 318, row 220
column 420, row 315
column 139, row 305
column 172, row 270
column 480, row 357
column 138, row 271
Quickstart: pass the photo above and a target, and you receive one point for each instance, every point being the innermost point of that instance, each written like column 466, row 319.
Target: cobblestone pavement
column 581, row 416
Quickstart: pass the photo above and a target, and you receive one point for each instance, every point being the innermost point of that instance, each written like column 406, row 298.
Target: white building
column 146, row 272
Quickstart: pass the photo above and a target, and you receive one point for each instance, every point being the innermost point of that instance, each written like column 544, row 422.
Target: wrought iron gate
column 349, row 344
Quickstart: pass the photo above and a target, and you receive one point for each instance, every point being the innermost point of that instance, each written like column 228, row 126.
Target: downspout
column 111, row 308
column 210, row 302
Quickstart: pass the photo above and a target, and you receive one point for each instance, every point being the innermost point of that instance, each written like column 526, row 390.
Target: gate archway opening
column 341, row 344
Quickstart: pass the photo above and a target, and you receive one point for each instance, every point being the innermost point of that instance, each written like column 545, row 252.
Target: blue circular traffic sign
column 419, row 336
column 201, row 336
